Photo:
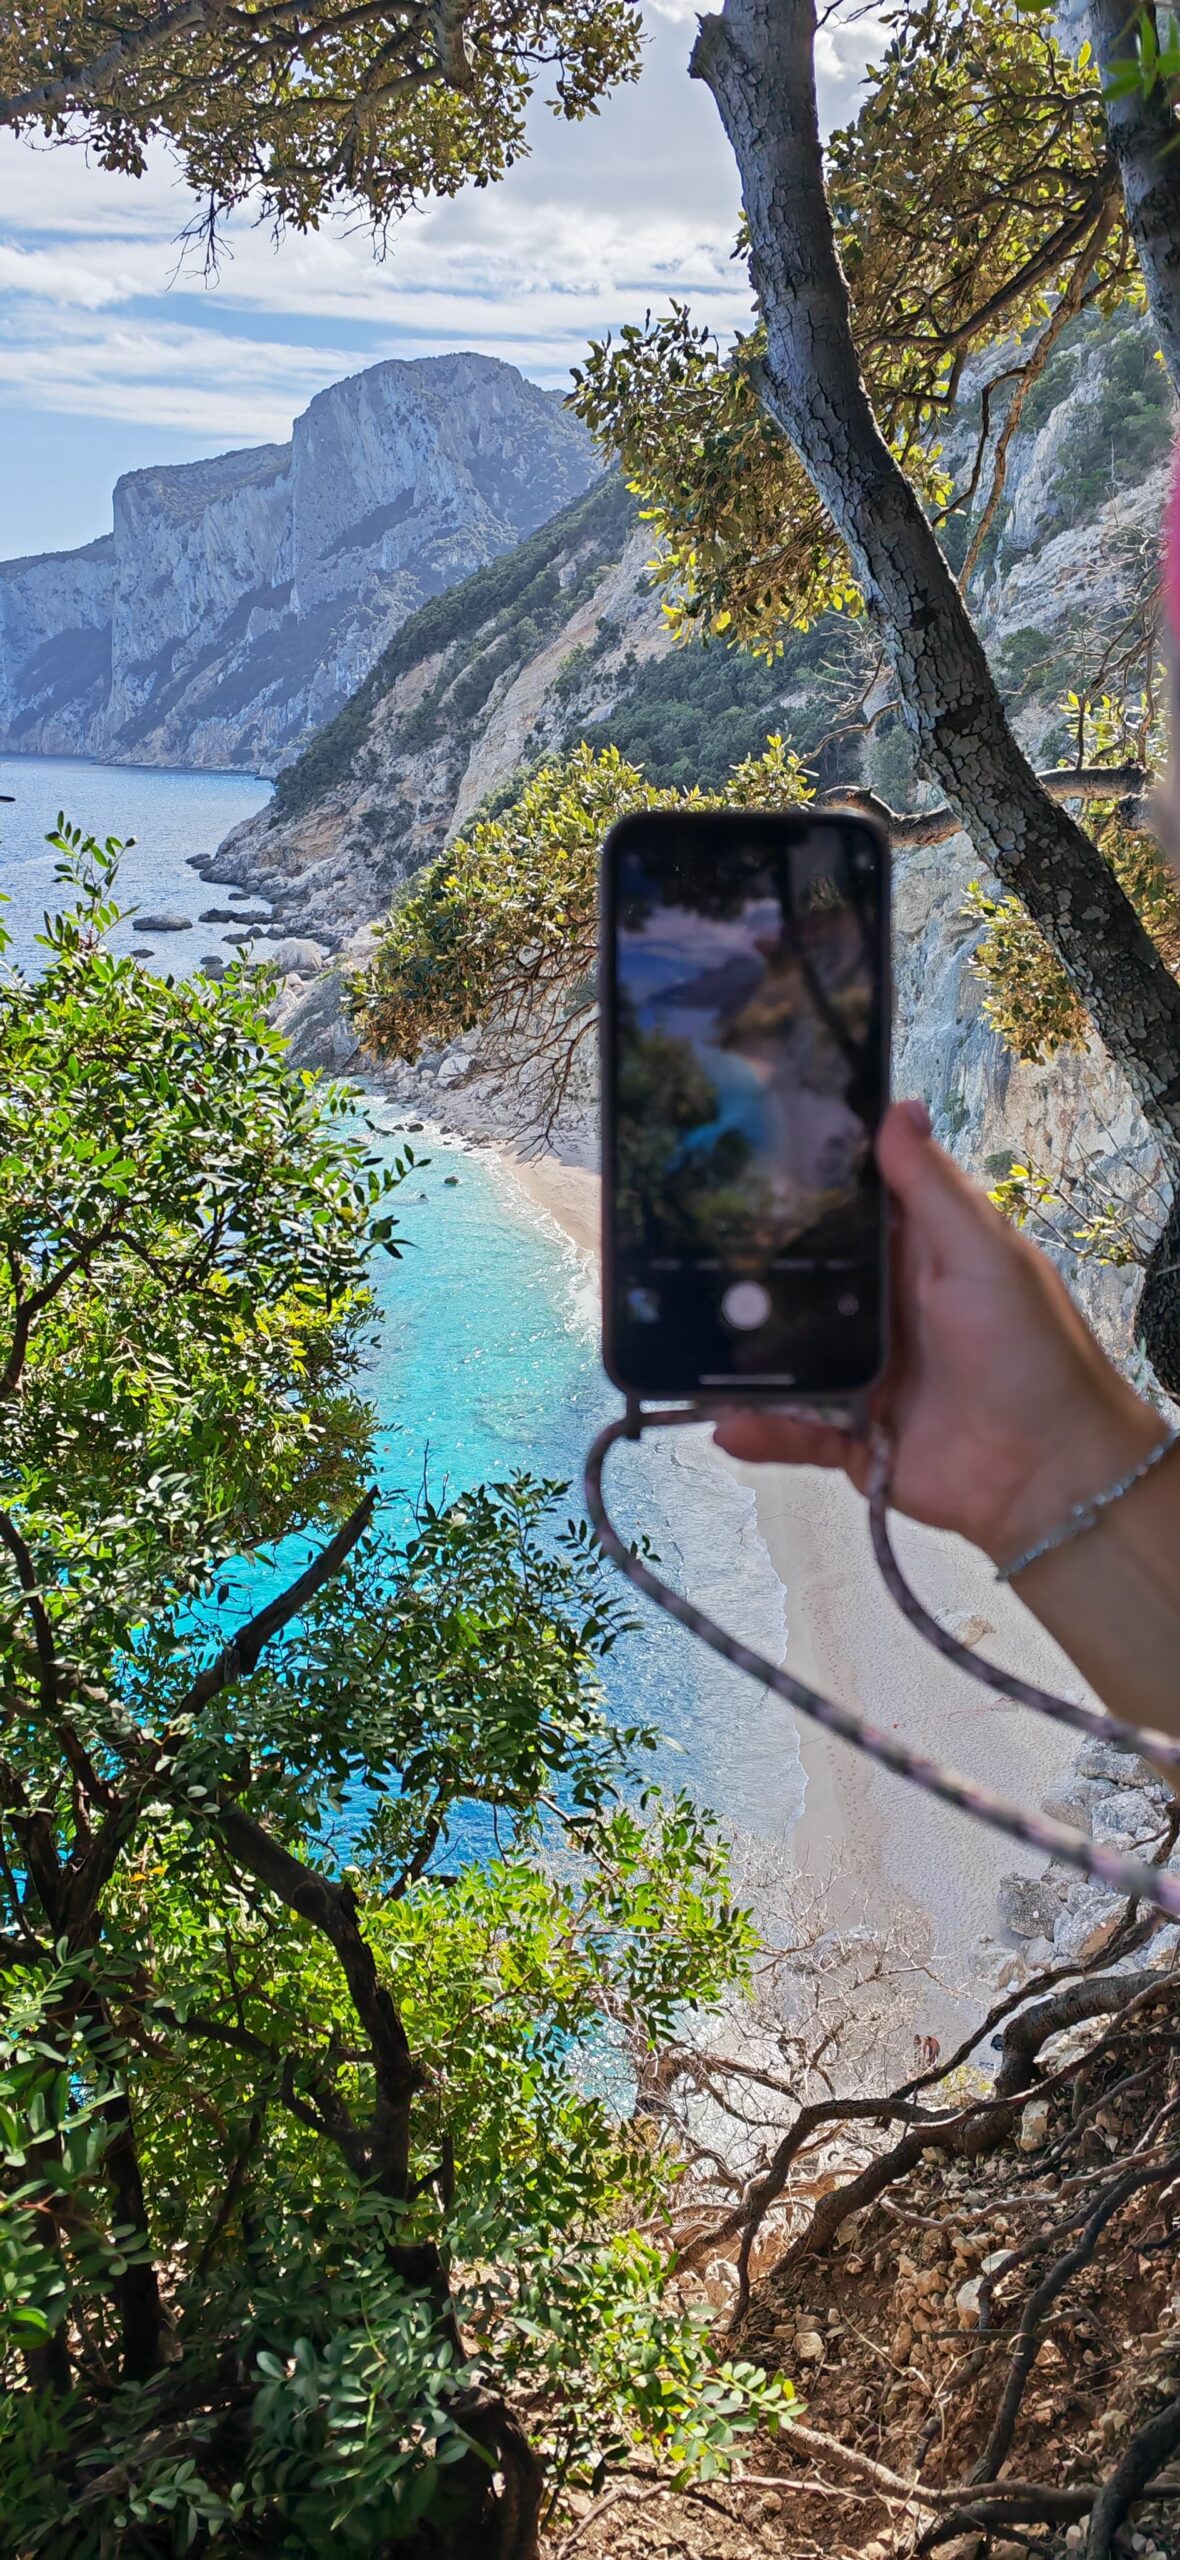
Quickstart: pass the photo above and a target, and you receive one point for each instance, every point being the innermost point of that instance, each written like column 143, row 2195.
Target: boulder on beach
column 163, row 924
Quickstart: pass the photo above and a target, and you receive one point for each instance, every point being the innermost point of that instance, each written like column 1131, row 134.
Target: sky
column 115, row 352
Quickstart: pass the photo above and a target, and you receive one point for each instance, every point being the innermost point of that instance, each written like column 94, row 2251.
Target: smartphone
column 745, row 1009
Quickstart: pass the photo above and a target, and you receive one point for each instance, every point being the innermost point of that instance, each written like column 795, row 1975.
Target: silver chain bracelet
column 1085, row 1515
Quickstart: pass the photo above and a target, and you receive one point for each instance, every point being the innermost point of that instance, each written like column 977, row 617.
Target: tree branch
column 241, row 1655
column 1066, row 309
column 1147, row 2451
column 757, row 58
column 85, row 81
column 1143, row 135
column 331, row 1908
column 910, row 829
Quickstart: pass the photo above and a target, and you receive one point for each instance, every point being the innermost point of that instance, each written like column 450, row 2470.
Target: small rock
column 415, row 1127
column 450, row 1180
column 1075, row 2535
column 1128, row 1816
column 1034, row 2125
column 967, row 2303
column 162, row 924
column 1090, row 1908
column 903, row 2340
column 966, row 1628
column 721, row 2280
column 808, row 2346
column 1072, row 1804
column 1118, row 1768
column 1027, row 1906
column 296, row 957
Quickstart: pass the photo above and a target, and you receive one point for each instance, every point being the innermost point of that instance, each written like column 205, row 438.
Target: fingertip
column 766, row 1438
column 903, row 1142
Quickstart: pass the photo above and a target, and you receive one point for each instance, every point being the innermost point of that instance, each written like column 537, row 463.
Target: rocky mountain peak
column 240, row 600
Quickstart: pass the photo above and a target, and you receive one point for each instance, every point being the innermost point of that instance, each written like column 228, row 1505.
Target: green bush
column 328, row 1937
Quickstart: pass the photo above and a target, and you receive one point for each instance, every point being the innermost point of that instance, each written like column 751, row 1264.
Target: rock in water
column 162, row 924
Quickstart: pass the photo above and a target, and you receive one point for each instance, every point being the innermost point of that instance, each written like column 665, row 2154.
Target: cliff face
column 238, row 603
column 55, row 644
column 564, row 639
column 472, row 686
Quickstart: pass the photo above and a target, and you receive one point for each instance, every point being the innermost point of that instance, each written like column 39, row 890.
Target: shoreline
column 885, row 1856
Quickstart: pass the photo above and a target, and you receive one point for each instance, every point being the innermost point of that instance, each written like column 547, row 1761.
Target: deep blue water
column 171, row 816
column 487, row 1357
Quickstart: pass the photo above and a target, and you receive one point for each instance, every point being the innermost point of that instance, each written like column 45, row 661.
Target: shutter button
column 746, row 1305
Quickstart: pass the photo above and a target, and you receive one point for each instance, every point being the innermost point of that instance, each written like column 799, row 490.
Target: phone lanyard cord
column 1132, row 1876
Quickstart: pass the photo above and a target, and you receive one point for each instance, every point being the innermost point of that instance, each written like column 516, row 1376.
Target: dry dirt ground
column 988, row 2350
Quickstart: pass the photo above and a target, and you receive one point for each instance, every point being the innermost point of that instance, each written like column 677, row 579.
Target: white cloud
column 238, row 389
column 102, row 315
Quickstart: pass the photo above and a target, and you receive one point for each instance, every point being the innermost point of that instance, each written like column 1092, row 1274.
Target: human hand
column 1004, row 1410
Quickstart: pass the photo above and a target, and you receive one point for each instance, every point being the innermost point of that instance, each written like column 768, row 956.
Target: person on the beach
column 1005, row 1413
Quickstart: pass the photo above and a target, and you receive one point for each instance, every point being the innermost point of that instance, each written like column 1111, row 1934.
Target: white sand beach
column 885, row 1849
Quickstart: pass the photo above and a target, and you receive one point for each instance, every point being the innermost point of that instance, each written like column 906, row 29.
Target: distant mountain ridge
column 565, row 639
column 239, row 602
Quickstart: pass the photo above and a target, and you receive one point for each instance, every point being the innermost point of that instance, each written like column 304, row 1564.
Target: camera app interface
column 748, row 1077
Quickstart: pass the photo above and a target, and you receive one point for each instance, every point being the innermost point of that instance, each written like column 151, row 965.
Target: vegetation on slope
column 314, row 2221
column 501, row 931
column 488, row 623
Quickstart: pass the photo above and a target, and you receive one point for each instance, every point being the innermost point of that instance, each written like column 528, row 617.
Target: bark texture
column 757, row 58
column 1141, row 130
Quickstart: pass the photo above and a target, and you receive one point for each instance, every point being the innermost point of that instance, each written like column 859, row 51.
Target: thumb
column 940, row 1203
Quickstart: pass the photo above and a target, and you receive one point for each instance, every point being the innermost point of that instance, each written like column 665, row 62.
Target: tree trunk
column 757, row 57
column 1143, row 138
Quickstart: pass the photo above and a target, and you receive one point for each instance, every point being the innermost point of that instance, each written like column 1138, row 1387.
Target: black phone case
column 836, row 1402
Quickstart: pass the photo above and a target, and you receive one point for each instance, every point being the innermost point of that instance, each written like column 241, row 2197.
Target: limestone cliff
column 239, row 602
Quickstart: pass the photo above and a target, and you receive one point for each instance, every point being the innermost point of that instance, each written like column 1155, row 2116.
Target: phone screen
column 745, row 1031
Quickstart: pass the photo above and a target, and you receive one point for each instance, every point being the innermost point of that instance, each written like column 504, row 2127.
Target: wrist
column 1099, row 1441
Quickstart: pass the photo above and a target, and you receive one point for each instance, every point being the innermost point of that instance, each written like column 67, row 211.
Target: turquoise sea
column 487, row 1354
